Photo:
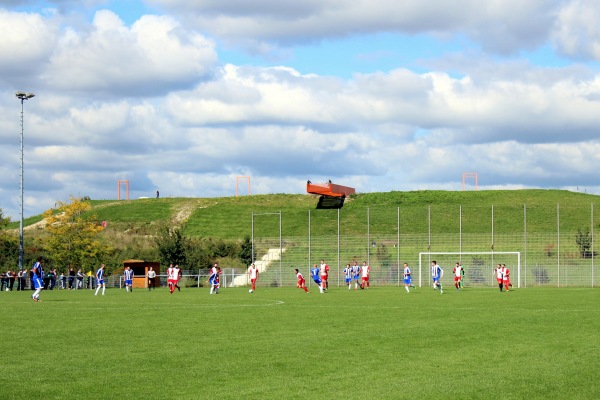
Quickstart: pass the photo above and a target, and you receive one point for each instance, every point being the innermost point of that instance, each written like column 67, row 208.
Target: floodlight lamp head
column 24, row 96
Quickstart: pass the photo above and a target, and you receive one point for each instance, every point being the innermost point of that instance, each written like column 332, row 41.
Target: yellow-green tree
column 73, row 240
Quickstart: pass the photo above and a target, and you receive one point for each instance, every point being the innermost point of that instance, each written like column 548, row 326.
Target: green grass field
column 380, row 343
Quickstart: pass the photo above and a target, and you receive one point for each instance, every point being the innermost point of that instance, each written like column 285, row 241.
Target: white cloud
column 577, row 29
column 152, row 57
column 500, row 26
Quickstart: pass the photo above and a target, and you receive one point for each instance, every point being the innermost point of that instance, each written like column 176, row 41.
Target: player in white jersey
column 499, row 275
column 172, row 275
column 365, row 272
column 213, row 280
column 407, row 274
column 436, row 275
column 325, row 275
column 301, row 282
column 253, row 275
column 457, row 271
column 348, row 276
column 506, row 278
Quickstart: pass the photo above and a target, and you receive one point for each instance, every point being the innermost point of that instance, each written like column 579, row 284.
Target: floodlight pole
column 22, row 96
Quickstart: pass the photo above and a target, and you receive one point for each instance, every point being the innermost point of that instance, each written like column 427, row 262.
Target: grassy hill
column 231, row 217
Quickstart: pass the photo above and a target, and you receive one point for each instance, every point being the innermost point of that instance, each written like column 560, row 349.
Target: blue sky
column 183, row 96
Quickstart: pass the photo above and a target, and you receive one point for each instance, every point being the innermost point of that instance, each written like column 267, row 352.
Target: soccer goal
column 479, row 267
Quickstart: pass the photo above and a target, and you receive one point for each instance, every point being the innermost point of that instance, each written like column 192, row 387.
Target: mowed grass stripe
column 283, row 343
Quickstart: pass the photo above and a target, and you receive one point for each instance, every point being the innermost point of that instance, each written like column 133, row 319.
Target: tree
column 73, row 240
column 3, row 220
column 584, row 241
column 245, row 254
column 171, row 246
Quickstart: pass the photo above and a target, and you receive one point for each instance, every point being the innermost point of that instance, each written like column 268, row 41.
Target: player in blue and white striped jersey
column 348, row 276
column 37, row 276
column 436, row 275
column 100, row 280
column 128, row 278
column 356, row 274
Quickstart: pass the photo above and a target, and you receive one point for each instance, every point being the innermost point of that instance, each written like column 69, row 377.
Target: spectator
column 21, row 279
column 2, row 280
column 71, row 278
column 63, row 280
column 79, row 279
column 53, row 279
column 10, row 277
column 48, row 279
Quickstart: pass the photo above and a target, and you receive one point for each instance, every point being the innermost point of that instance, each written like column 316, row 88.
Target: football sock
column 407, row 290
column 97, row 288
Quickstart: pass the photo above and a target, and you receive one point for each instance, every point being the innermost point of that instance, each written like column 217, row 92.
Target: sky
column 183, row 96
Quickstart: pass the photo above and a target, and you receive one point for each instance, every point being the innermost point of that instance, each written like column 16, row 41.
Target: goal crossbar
column 472, row 253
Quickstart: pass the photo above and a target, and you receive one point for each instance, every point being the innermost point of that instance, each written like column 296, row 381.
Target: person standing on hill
column 253, row 275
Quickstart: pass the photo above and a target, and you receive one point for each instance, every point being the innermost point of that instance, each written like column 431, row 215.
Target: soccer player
column 37, row 276
column 316, row 275
column 436, row 275
column 407, row 278
column 178, row 275
column 462, row 278
column 301, row 282
column 348, row 276
column 366, row 271
column 325, row 275
column 356, row 274
column 100, row 280
column 128, row 278
column 171, row 278
column 499, row 275
column 457, row 270
column 214, row 278
column 253, row 275
column 506, row 277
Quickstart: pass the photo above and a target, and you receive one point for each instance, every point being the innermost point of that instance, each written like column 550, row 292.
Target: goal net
column 479, row 267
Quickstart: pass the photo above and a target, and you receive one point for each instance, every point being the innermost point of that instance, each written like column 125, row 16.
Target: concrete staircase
column 261, row 265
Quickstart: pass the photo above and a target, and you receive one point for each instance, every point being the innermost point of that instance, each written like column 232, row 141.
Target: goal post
column 478, row 266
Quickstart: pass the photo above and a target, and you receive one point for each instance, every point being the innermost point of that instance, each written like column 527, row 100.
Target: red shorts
column 253, row 280
column 499, row 280
column 172, row 281
column 457, row 279
column 365, row 279
column 301, row 282
column 506, row 281
column 323, row 277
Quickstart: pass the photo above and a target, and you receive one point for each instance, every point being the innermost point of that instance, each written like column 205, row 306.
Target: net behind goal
column 478, row 266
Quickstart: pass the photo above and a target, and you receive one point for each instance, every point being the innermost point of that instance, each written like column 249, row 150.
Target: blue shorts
column 128, row 282
column 348, row 280
column 317, row 280
column 212, row 281
column 356, row 277
column 407, row 281
column 37, row 283
column 435, row 279
column 101, row 282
